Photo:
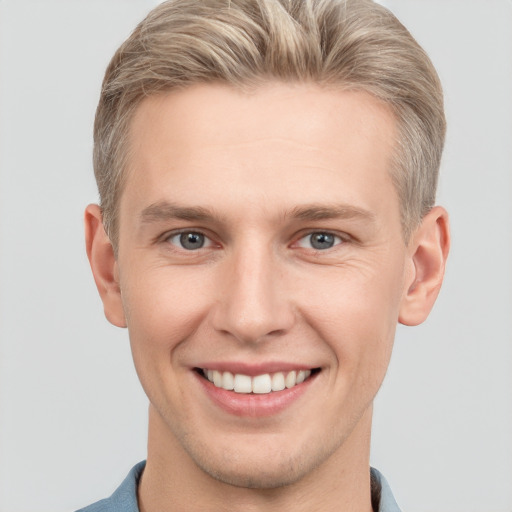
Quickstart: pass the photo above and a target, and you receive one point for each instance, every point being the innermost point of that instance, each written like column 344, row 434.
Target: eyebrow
column 335, row 211
column 164, row 210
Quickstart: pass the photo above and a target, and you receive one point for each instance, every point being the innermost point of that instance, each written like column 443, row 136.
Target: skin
column 257, row 174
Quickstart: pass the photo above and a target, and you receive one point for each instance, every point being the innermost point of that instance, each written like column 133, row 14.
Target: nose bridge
column 254, row 303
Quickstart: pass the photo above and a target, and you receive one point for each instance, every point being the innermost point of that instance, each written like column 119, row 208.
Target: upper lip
column 253, row 369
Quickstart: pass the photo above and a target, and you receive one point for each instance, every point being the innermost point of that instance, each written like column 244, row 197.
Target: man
column 267, row 175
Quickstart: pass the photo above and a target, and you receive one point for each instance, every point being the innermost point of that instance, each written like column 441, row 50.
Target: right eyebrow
column 164, row 210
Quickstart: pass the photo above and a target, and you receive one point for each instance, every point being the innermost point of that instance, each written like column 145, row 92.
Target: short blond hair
column 354, row 44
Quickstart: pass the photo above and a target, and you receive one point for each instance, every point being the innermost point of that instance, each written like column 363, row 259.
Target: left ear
column 428, row 250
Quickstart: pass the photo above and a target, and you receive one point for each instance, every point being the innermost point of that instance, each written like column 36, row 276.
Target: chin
column 261, row 467
column 258, row 477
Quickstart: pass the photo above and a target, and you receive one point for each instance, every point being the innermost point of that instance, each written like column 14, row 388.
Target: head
column 349, row 44
column 212, row 264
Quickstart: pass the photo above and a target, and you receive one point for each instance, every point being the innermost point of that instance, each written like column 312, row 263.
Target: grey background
column 72, row 414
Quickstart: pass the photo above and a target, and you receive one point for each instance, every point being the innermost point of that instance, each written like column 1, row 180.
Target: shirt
column 124, row 498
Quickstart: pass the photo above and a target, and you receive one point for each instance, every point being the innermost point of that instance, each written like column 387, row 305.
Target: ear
column 104, row 265
column 428, row 250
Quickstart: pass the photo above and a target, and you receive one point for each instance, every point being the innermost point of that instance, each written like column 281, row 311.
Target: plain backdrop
column 72, row 414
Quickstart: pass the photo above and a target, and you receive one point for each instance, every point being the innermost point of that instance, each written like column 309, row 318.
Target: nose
column 254, row 299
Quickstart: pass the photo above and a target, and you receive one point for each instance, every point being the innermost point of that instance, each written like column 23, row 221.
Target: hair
column 351, row 44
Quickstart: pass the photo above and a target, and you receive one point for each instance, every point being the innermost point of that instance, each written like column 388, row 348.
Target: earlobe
column 428, row 248
column 104, row 265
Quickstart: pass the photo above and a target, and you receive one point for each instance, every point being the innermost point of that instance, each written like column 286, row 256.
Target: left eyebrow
column 325, row 212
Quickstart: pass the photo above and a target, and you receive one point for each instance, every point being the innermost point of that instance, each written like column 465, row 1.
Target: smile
column 259, row 384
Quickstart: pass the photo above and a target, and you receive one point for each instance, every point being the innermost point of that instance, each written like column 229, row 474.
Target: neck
column 173, row 482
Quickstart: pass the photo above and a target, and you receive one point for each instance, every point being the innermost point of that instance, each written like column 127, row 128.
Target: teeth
column 217, row 378
column 291, row 379
column 243, row 383
column 228, row 381
column 260, row 384
column 278, row 382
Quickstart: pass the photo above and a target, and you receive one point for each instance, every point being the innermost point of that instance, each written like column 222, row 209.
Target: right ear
column 104, row 265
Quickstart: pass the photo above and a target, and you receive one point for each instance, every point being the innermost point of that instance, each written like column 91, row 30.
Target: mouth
column 263, row 384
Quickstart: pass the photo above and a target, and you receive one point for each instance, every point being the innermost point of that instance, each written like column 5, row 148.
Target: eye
column 319, row 241
column 190, row 240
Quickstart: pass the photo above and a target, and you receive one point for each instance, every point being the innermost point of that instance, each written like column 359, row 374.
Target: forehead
column 280, row 145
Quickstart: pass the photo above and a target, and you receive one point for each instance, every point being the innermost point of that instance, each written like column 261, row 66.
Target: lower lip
column 251, row 404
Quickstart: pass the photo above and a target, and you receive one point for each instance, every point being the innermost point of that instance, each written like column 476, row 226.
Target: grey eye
column 189, row 240
column 322, row 240
column 319, row 241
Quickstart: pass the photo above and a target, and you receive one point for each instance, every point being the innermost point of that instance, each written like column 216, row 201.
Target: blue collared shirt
column 124, row 498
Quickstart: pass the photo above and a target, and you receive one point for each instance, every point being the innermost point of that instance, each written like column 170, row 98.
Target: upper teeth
column 260, row 384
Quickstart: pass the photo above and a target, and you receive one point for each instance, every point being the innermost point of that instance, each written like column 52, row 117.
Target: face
column 260, row 248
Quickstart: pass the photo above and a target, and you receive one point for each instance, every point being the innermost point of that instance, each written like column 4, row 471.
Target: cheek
column 161, row 317
column 356, row 315
column 163, row 309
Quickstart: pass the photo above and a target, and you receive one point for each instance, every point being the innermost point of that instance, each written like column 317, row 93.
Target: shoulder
column 386, row 500
column 124, row 498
